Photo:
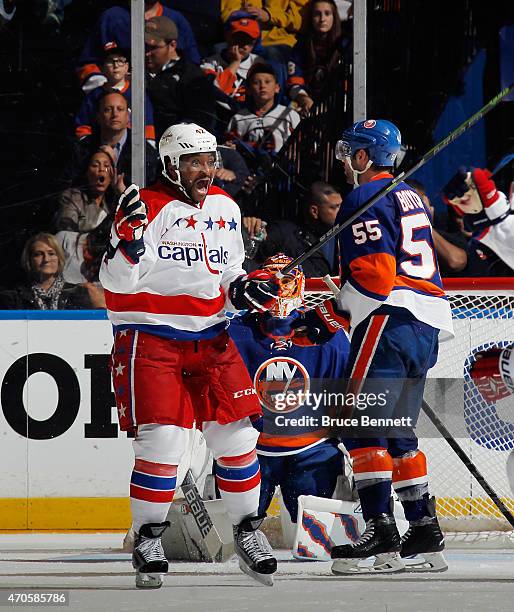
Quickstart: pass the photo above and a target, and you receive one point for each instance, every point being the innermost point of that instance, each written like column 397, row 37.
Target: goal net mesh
column 483, row 318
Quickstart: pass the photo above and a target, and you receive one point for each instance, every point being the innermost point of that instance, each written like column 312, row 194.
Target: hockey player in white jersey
column 487, row 214
column 173, row 268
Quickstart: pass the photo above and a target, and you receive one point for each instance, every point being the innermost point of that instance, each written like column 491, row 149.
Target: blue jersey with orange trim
column 276, row 364
column 388, row 256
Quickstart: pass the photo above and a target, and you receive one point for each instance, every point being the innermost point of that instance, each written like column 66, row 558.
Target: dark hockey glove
column 485, row 373
column 255, row 291
column 129, row 225
column 319, row 325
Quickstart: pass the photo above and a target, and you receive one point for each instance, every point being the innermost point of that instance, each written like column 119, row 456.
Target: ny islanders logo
column 281, row 376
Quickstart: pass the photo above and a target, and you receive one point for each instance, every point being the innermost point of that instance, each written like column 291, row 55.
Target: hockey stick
column 219, row 551
column 471, row 467
column 441, row 428
column 458, row 131
column 502, row 163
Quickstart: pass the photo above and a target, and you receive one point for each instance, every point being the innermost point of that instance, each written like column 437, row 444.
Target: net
column 483, row 314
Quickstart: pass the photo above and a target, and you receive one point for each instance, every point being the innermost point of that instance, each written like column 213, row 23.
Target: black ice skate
column 380, row 539
column 425, row 538
column 148, row 556
column 254, row 552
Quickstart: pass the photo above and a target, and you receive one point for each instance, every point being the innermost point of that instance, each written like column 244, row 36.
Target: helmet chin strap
column 178, row 183
column 356, row 173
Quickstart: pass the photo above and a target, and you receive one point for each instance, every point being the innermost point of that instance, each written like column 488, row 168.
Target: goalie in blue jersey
column 298, row 458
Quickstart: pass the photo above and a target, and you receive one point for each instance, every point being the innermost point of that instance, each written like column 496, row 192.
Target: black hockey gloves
column 255, row 291
column 319, row 325
column 129, row 225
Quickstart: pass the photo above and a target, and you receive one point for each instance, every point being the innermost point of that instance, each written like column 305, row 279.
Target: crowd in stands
column 251, row 72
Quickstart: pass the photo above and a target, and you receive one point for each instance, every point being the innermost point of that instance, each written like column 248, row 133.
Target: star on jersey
column 209, row 224
column 191, row 222
column 221, row 222
column 123, row 333
column 119, row 369
column 121, row 410
column 232, row 224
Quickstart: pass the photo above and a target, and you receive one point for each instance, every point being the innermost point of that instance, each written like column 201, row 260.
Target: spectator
column 230, row 66
column 204, row 18
column 316, row 55
column 233, row 172
column 115, row 66
column 450, row 246
column 81, row 209
column 263, row 124
column 43, row 262
column 280, row 22
column 114, row 136
column 320, row 210
column 178, row 89
column 113, row 27
column 83, row 253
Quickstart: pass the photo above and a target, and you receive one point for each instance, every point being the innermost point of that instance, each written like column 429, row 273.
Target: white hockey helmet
column 184, row 139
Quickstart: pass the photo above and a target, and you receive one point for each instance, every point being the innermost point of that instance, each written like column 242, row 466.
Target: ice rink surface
column 99, row 577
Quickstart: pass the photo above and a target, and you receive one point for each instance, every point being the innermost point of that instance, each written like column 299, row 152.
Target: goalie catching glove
column 319, row 325
column 129, row 225
column 493, row 373
column 255, row 291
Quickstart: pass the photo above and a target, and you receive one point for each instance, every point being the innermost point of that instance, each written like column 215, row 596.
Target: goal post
column 483, row 317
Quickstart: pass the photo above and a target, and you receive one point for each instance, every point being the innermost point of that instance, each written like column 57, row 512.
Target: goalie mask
column 461, row 193
column 184, row 139
column 292, row 286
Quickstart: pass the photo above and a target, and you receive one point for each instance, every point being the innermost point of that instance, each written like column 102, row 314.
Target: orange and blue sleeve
column 368, row 256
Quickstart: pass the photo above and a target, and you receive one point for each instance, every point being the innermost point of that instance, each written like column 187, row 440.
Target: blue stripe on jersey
column 160, row 483
column 237, row 473
column 166, row 331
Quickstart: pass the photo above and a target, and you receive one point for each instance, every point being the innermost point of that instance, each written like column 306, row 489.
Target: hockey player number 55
column 417, row 247
column 366, row 230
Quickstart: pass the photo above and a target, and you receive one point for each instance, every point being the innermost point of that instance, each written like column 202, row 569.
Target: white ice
column 99, row 577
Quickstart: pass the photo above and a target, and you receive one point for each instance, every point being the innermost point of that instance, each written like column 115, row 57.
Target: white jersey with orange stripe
column 192, row 254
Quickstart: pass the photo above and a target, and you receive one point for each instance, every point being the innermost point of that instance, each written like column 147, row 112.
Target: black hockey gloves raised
column 129, row 225
column 255, row 291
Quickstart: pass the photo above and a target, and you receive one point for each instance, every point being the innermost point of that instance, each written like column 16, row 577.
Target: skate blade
column 265, row 579
column 426, row 562
column 148, row 581
column 387, row 563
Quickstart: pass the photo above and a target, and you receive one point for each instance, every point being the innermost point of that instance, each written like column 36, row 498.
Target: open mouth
column 202, row 186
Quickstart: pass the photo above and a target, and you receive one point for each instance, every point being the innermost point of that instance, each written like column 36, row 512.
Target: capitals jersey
column 388, row 256
column 277, row 364
column 178, row 288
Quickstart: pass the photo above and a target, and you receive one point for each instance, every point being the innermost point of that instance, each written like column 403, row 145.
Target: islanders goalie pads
column 325, row 523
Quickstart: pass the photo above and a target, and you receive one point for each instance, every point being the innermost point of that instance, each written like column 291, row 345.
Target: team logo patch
column 370, row 123
column 279, row 376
